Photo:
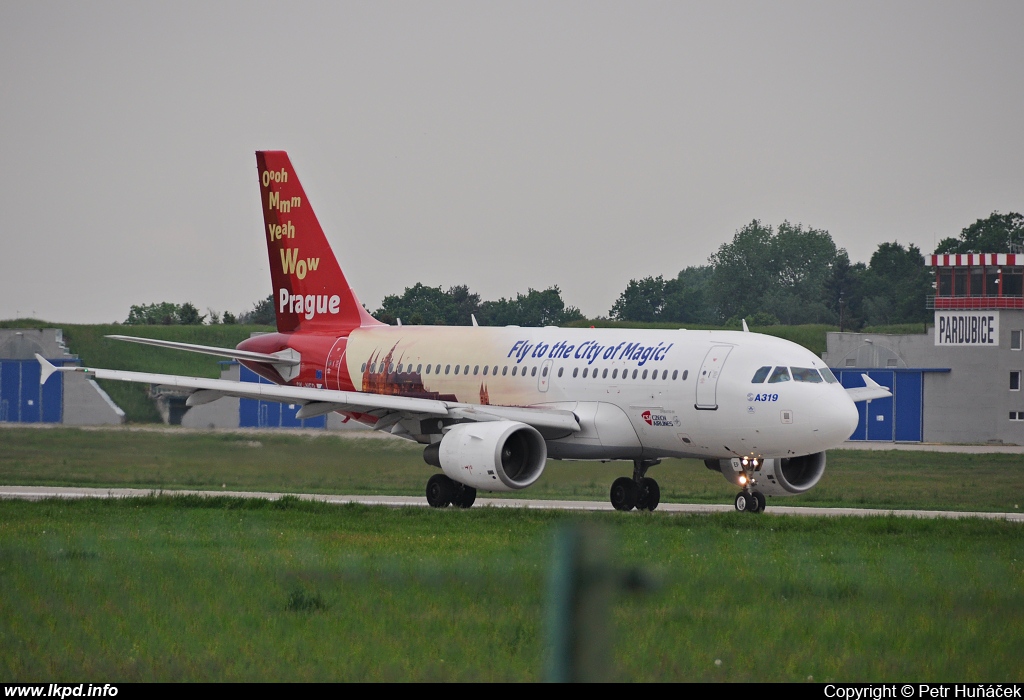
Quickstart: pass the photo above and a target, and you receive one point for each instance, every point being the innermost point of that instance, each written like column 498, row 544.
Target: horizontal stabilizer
column 209, row 350
column 870, row 390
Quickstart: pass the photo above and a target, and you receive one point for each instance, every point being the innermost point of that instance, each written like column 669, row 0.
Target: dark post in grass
column 581, row 590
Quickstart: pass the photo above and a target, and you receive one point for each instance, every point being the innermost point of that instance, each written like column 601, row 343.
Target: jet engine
column 493, row 456
column 773, row 477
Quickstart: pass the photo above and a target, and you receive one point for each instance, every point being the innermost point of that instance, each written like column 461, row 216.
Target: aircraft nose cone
column 835, row 417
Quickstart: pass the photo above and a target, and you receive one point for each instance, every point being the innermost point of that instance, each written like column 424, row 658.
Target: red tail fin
column 310, row 290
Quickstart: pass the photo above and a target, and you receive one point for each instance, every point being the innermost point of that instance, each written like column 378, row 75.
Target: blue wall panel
column 53, row 399
column 897, row 418
column 22, row 400
column 30, row 392
column 909, row 406
column 10, row 391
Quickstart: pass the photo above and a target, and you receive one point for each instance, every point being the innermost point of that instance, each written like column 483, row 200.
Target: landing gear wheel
column 760, row 500
column 624, row 493
column 440, row 490
column 463, row 496
column 744, row 502
column 649, row 494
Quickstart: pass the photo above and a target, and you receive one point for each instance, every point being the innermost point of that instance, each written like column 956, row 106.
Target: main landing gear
column 750, row 502
column 640, row 492
column 443, row 492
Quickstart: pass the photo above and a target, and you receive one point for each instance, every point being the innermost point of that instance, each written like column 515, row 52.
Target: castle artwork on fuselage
column 380, row 377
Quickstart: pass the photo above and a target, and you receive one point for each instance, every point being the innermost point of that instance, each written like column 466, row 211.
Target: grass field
column 228, row 589
column 329, row 463
column 190, row 588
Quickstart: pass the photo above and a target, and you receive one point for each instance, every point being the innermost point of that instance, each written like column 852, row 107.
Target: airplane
column 491, row 405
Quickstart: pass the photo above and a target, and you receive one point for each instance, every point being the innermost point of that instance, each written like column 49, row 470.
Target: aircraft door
column 544, row 380
column 333, row 369
column 707, row 377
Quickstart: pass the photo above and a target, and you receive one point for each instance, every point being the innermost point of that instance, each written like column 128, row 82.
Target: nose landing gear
column 640, row 492
column 749, row 500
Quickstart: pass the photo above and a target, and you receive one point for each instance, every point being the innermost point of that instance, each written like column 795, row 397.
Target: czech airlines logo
column 660, row 420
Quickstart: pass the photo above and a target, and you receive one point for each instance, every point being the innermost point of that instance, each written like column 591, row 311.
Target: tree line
column 768, row 275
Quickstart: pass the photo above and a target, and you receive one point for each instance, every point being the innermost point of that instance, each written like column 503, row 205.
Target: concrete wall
column 85, row 402
column 969, row 404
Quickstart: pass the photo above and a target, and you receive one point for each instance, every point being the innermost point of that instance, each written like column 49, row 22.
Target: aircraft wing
column 870, row 390
column 317, row 402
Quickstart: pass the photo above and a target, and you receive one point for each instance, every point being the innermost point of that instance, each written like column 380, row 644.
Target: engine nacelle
column 775, row 477
column 492, row 456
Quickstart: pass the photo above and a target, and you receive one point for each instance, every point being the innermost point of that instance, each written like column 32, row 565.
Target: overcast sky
column 501, row 145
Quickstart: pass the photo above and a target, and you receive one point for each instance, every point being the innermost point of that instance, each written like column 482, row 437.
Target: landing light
column 743, row 479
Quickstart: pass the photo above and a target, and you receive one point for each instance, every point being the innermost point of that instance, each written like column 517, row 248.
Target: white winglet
column 46, row 368
column 473, row 316
column 744, row 322
column 870, row 390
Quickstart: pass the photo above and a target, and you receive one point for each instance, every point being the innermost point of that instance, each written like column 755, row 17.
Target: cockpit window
column 781, row 374
column 829, row 377
column 806, row 374
column 760, row 375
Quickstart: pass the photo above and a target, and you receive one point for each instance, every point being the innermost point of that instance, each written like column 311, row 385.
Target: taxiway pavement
column 36, row 493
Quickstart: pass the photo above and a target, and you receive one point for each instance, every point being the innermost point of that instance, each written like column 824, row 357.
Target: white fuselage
column 636, row 393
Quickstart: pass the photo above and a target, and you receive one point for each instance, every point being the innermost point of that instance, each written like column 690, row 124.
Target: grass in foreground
column 223, row 589
column 268, row 461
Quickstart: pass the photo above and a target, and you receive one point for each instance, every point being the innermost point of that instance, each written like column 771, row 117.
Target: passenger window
column 504, row 370
column 644, row 375
column 399, row 367
column 447, row 368
column 615, row 373
column 428, row 369
column 686, row 373
column 495, row 372
column 364, row 368
column 760, row 375
column 437, row 370
column 806, row 374
column 456, row 369
column 635, row 373
column 533, row 372
column 514, row 371
column 585, row 370
column 485, row 370
column 675, row 373
column 560, row 371
column 544, row 372
column 604, row 374
column 829, row 377
column 391, row 368
column 781, row 374
column 466, row 370
column 419, row 368
column 575, row 371
column 476, row 370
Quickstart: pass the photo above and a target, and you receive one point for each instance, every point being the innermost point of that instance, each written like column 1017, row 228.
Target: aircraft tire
column 649, row 496
column 440, row 490
column 463, row 496
column 742, row 502
column 760, row 500
column 624, row 494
